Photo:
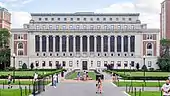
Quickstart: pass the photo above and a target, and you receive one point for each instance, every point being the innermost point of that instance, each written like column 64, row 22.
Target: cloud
column 149, row 10
column 20, row 18
column 16, row 3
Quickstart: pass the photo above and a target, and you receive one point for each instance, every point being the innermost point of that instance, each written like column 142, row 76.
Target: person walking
column 99, row 85
column 78, row 76
column 55, row 78
column 9, row 81
column 35, row 76
column 166, row 88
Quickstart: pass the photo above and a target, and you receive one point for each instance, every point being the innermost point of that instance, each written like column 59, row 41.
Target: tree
column 137, row 66
column 164, row 59
column 4, row 48
column 144, row 68
column 24, row 66
column 32, row 66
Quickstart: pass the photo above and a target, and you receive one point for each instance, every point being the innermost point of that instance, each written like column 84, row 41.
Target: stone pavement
column 81, row 89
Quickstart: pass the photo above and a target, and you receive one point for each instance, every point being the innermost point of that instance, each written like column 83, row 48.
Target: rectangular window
column 125, row 63
column 57, row 27
column 118, row 63
column 132, row 63
column 112, row 62
column 70, row 63
column 64, row 27
column 71, row 27
column 91, row 27
column 20, row 63
column 105, row 26
column 37, row 26
column 132, row 27
column 149, row 63
column 20, row 36
column 50, row 26
column 20, row 52
column 43, row 26
column 50, row 63
column 149, row 53
column 78, row 27
column 98, row 63
column 91, row 63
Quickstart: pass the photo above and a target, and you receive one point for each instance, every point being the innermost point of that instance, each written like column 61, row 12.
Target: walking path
column 80, row 88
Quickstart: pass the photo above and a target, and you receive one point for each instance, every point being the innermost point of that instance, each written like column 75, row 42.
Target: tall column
column 108, row 43
column 47, row 45
column 81, row 43
column 74, row 43
column 53, row 43
column 67, row 43
column 88, row 44
column 60, row 43
column 40, row 43
column 115, row 44
column 122, row 44
column 95, row 43
column 128, row 43
column 102, row 43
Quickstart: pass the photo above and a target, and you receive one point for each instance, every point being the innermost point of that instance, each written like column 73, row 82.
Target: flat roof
column 85, row 14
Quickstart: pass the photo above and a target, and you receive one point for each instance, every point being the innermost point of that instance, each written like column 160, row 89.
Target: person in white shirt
column 166, row 88
column 55, row 80
column 35, row 76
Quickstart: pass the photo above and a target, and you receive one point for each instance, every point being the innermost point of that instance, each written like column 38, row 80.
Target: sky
column 20, row 9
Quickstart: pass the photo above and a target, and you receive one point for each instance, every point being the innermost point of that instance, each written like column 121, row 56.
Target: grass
column 24, row 73
column 147, row 93
column 140, row 84
column 146, row 73
column 74, row 75
column 13, row 92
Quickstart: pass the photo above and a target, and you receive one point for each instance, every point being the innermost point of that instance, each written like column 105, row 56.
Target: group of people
column 85, row 76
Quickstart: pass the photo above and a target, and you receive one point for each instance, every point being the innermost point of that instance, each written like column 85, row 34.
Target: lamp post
column 144, row 67
column 13, row 55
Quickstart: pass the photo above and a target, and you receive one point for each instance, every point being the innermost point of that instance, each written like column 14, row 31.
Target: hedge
column 31, row 77
column 126, row 77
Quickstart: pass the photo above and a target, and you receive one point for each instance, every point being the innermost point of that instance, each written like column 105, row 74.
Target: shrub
column 144, row 68
column 32, row 66
column 137, row 66
column 24, row 66
column 151, row 69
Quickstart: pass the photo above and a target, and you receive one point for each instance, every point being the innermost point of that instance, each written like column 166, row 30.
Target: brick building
column 5, row 18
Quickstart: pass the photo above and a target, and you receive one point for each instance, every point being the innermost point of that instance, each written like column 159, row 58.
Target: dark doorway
column 84, row 65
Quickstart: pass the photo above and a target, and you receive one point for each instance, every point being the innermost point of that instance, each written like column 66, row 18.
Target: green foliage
column 137, row 66
column 144, row 68
column 24, row 66
column 32, row 66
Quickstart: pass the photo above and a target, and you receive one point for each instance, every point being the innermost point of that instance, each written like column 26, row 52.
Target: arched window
column 20, row 46
column 149, row 46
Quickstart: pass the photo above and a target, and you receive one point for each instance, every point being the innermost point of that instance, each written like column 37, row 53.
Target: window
column 50, row 26
column 71, row 26
column 20, row 52
column 84, row 27
column 104, row 19
column 149, row 52
column 84, row 19
column 57, row 27
column 70, row 63
column 117, row 19
column 64, row 63
column 130, row 19
column 64, row 27
column 98, row 63
column 20, row 36
column 149, row 46
column 71, row 19
column 149, row 36
column 123, row 19
column 118, row 63
column 52, row 19
column 105, row 63
column 39, row 19
column 105, row 26
column 149, row 63
column 20, row 46
column 132, row 63
column 65, row 19
column 46, row 19
column 98, row 26
column 77, row 26
column 98, row 19
column 91, row 19
column 132, row 26
column 112, row 62
column 112, row 26
column 50, row 63
column 36, row 63
column 110, row 19
column 43, row 63
column 125, row 26
column 58, row 19
column 91, row 63
column 119, row 27
column 77, row 63
column 78, row 19
column 125, row 63
column 43, row 26
column 91, row 27
column 37, row 26
column 20, row 63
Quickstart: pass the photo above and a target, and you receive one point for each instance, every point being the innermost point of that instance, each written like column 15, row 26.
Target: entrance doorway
column 84, row 65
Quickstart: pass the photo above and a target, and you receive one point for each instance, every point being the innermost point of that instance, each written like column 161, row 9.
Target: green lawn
column 23, row 73
column 147, row 73
column 147, row 93
column 140, row 84
column 13, row 92
column 74, row 75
